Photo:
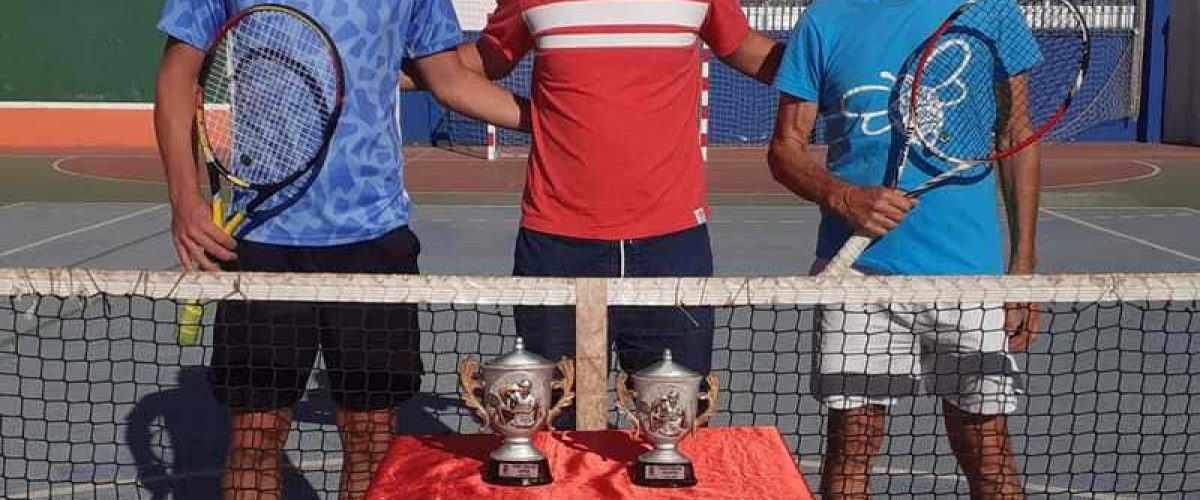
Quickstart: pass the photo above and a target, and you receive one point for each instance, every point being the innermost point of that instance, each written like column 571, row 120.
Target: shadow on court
column 178, row 437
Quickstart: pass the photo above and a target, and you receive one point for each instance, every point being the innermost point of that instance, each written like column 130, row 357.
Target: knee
column 857, row 434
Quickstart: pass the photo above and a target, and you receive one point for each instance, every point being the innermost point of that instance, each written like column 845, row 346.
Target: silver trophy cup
column 516, row 389
column 663, row 405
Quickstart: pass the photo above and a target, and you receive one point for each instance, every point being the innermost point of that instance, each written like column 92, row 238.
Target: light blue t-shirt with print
column 359, row 194
column 851, row 57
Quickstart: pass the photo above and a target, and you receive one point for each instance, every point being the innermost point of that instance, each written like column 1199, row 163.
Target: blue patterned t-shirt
column 359, row 193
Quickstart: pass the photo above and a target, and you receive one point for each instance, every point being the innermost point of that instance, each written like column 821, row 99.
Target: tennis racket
column 270, row 95
column 982, row 90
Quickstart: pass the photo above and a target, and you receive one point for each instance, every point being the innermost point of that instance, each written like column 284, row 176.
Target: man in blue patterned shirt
column 354, row 218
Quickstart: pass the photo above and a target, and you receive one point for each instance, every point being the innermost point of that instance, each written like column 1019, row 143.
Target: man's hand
column 197, row 240
column 871, row 211
column 1021, row 321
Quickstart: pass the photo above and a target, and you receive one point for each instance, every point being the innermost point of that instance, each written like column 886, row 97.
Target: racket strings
column 270, row 95
column 996, row 78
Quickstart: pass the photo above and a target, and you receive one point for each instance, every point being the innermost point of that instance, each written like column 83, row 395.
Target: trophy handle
column 713, row 403
column 468, row 371
column 566, row 366
column 625, row 397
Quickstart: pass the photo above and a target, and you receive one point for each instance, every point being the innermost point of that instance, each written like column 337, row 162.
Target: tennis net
column 99, row 400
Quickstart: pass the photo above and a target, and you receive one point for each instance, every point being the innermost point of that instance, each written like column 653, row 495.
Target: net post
column 1137, row 52
column 491, row 142
column 705, row 86
column 591, row 354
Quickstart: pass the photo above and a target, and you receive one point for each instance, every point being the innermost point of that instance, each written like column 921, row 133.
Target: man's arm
column 197, row 240
column 467, row 92
column 872, row 211
column 478, row 57
column 487, row 60
column 1020, row 181
column 1020, row 186
column 757, row 57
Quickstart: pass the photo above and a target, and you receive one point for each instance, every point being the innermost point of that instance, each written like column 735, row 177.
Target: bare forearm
column 460, row 89
column 758, row 57
column 480, row 99
column 793, row 166
column 1020, row 178
column 174, row 112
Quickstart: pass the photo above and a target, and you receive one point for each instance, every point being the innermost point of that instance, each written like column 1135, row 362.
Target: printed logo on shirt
column 701, row 217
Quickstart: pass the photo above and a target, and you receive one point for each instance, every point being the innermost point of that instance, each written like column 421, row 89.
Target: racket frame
column 842, row 263
column 217, row 170
column 961, row 164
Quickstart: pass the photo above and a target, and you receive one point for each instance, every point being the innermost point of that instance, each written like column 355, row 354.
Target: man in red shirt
column 616, row 183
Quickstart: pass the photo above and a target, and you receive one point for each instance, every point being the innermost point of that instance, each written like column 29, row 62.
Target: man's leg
column 256, row 445
column 853, row 439
column 373, row 359
column 261, row 359
column 372, row 354
column 365, row 439
column 550, row 331
column 978, row 383
column 981, row 444
column 262, row 355
column 642, row 333
column 866, row 356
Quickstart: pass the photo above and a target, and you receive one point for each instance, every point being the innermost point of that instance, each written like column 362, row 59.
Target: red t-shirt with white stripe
column 616, row 84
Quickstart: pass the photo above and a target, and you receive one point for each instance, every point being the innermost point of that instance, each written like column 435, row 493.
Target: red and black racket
column 982, row 90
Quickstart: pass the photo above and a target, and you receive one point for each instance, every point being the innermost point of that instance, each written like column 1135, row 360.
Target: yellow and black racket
column 270, row 95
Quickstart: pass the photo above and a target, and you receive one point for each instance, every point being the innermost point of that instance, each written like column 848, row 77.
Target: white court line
column 128, row 106
column 57, row 166
column 74, row 489
column 81, row 230
column 1119, row 234
column 12, row 205
column 1030, row 486
column 1121, row 208
column 1154, row 171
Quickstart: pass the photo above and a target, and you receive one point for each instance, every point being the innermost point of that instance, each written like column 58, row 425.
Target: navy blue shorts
column 639, row 334
column 264, row 351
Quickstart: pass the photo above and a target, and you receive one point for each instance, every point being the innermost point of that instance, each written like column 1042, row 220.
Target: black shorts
column 264, row 351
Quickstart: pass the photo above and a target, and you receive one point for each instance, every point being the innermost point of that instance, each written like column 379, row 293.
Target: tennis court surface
column 98, row 400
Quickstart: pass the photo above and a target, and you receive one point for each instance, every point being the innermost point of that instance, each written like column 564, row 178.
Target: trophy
column 516, row 390
column 662, row 405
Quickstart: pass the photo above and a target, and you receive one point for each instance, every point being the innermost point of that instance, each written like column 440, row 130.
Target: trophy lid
column 667, row 368
column 519, row 358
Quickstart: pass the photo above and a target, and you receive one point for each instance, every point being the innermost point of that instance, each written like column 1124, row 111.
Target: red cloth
column 731, row 462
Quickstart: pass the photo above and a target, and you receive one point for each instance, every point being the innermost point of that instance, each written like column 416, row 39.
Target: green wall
column 78, row 50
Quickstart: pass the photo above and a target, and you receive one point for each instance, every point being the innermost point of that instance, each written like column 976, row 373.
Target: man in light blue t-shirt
column 353, row 219
column 846, row 60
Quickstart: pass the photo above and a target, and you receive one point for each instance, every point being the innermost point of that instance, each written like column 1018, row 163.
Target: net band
column 621, row 291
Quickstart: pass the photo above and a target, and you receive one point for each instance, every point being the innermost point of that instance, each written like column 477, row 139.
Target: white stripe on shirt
column 574, row 14
column 616, row 40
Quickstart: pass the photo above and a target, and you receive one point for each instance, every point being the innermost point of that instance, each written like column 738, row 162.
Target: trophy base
column 664, row 475
column 506, row 473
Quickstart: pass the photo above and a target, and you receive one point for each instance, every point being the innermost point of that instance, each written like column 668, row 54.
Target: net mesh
column 97, row 399
column 742, row 111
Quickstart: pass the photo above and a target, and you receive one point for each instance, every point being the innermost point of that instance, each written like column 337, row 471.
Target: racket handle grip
column 843, row 262
column 190, row 317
